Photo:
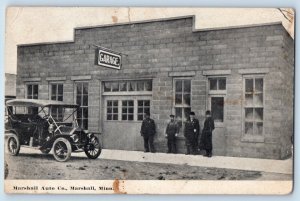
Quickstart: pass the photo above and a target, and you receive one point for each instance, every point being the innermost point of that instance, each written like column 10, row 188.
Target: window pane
column 85, row 113
column 123, row 86
column 258, row 100
column 147, row 103
column 115, row 86
column 147, row 110
column 85, row 123
column 249, row 85
column 130, row 117
column 258, row 114
column 124, row 117
column 53, row 90
column 140, row 110
column 222, row 83
column 29, row 89
column 130, row 103
column 109, row 103
column 178, row 99
column 140, row 103
column 85, row 88
column 124, row 110
column 130, row 110
column 249, row 114
column 109, row 110
column 60, row 89
column 140, row 117
column 79, row 88
column 78, row 100
column 107, row 86
column 249, row 100
column 187, row 99
column 115, row 103
column 178, row 115
column 85, row 100
column 186, row 113
column 258, row 128
column 249, row 128
column 213, row 84
column 148, row 85
column 217, row 108
column 124, row 103
column 259, row 84
column 187, row 86
column 178, row 86
column 53, row 97
column 115, row 117
column 140, row 86
column 109, row 117
column 79, row 113
column 115, row 110
column 131, row 86
column 60, row 98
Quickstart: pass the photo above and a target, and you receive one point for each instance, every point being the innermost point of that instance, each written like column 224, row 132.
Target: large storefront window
column 33, row 93
column 82, row 101
column 57, row 94
column 254, row 106
column 217, row 93
column 182, row 103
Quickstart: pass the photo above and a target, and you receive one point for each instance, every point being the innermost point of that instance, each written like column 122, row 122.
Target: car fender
column 49, row 144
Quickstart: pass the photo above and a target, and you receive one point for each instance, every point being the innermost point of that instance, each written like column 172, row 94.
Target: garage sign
column 109, row 59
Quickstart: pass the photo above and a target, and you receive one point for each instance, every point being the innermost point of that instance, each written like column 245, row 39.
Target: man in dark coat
column 148, row 131
column 172, row 130
column 191, row 134
column 206, row 137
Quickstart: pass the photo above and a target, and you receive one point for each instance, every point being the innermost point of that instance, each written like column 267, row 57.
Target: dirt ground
column 39, row 166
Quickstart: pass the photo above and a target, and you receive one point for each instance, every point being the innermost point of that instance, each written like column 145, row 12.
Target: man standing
column 191, row 133
column 148, row 132
column 206, row 137
column 172, row 130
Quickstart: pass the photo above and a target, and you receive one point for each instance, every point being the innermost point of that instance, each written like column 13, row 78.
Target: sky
column 27, row 25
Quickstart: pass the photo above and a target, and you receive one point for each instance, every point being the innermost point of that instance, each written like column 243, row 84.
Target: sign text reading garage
column 109, row 59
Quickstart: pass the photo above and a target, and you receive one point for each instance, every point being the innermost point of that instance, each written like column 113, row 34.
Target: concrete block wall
column 155, row 49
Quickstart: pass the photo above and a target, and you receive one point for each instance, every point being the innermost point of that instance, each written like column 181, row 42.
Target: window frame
column 253, row 137
column 56, row 94
column 217, row 93
column 80, row 106
column 174, row 99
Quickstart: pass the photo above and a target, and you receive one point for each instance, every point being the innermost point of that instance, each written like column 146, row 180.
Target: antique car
column 47, row 125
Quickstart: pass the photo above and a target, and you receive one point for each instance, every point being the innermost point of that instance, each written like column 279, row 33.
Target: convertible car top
column 38, row 103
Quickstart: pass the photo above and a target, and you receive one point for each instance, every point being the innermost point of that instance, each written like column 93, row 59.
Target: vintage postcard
column 132, row 100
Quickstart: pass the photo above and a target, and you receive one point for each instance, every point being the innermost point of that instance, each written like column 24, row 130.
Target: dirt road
column 40, row 166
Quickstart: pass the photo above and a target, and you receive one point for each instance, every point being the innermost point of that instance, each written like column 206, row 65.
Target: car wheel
column 45, row 150
column 62, row 149
column 13, row 145
column 93, row 149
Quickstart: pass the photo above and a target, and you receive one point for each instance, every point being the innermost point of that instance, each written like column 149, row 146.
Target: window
column 253, row 106
column 127, row 110
column 217, row 83
column 57, row 94
column 217, row 108
column 121, row 86
column 112, row 110
column 143, row 107
column 217, row 93
column 82, row 101
column 33, row 93
column 182, row 103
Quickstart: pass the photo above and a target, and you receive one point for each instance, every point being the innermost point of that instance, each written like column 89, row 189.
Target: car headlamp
column 75, row 138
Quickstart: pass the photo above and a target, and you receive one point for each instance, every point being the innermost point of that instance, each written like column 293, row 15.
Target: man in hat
column 191, row 133
column 148, row 131
column 171, row 133
column 206, row 137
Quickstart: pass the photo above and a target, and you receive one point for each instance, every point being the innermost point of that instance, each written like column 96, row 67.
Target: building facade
column 245, row 76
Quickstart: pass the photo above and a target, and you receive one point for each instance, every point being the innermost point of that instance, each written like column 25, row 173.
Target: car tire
column 45, row 150
column 62, row 149
column 13, row 145
column 93, row 149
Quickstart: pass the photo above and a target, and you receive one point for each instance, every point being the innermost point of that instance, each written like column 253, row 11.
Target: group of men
column 195, row 140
